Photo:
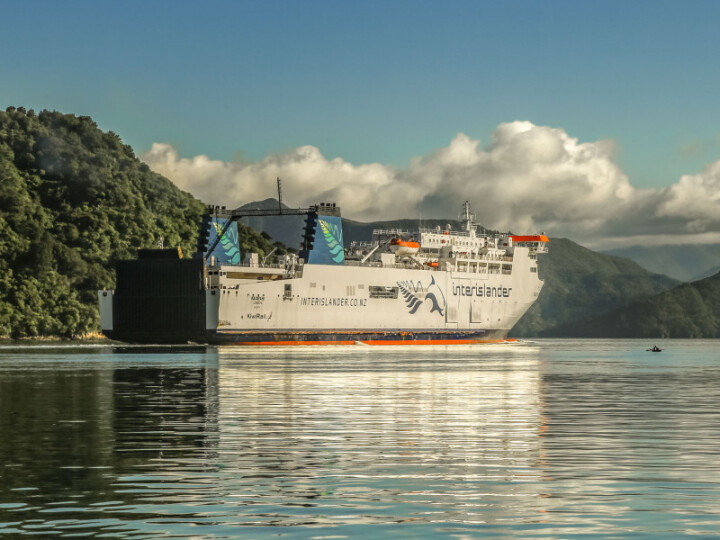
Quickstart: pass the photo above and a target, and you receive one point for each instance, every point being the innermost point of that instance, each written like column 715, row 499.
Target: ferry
column 432, row 287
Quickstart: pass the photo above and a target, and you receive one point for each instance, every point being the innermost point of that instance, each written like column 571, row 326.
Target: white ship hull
column 331, row 304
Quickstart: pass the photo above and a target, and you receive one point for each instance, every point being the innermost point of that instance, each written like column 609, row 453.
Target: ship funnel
column 227, row 249
column 323, row 239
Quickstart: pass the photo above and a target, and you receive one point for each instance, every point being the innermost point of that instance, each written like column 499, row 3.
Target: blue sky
column 376, row 81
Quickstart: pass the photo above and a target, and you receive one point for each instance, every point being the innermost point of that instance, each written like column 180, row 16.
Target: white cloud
column 529, row 178
column 695, row 199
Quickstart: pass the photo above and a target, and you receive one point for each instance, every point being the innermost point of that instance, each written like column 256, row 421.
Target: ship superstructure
column 434, row 286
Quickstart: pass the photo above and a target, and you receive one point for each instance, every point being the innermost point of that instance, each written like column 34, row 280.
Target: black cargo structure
column 159, row 299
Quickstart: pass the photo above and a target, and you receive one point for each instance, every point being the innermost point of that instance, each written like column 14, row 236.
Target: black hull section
column 159, row 300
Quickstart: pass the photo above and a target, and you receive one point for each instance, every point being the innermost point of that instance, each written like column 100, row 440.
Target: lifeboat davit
column 404, row 247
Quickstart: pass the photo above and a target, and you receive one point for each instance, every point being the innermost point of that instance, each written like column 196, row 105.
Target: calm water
column 552, row 439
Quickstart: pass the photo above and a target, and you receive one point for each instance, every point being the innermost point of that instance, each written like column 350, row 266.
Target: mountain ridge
column 685, row 262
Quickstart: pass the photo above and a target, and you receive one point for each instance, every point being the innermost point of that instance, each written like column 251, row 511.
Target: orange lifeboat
column 530, row 238
column 404, row 247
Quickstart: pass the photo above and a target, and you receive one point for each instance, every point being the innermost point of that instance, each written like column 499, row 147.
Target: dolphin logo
column 434, row 294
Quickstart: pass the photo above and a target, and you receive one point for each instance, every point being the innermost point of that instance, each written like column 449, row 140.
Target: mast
column 280, row 210
column 467, row 217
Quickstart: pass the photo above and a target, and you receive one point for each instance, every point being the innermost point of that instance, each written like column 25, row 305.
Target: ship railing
column 383, row 232
column 445, row 232
column 377, row 264
column 459, row 259
column 248, row 265
column 469, row 256
column 485, row 257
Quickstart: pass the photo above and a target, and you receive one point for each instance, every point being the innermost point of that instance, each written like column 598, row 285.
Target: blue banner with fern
column 328, row 245
column 227, row 250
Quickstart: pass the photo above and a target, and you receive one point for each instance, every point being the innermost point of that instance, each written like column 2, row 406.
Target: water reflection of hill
column 70, row 428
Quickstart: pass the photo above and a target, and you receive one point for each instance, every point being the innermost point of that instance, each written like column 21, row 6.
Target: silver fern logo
column 415, row 295
column 334, row 239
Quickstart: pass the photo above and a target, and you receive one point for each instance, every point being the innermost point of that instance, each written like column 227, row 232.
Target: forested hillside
column 73, row 200
column 580, row 283
column 691, row 310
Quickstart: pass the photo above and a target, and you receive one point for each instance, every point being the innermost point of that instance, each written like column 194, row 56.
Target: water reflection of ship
column 174, row 417
column 358, row 427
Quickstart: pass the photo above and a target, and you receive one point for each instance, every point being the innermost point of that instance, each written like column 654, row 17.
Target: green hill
column 580, row 283
column 73, row 200
column 691, row 310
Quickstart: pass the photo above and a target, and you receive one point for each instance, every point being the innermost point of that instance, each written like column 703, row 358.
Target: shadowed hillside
column 580, row 283
column 691, row 310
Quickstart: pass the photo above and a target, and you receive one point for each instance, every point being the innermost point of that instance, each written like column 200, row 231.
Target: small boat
column 403, row 247
column 655, row 348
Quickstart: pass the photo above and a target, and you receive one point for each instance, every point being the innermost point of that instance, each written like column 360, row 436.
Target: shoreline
column 90, row 337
